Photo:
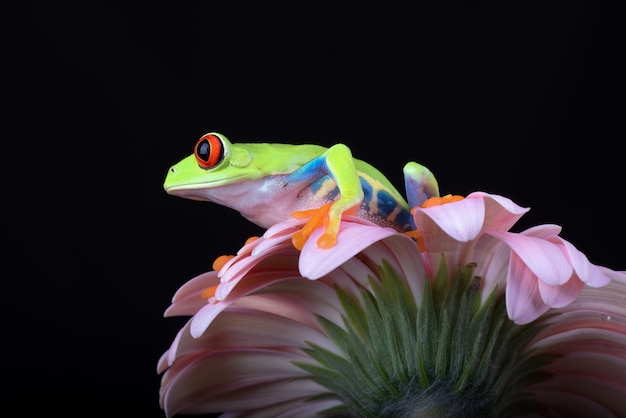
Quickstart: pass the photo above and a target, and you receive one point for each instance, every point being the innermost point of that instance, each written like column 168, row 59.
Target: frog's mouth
column 187, row 193
column 203, row 190
column 178, row 180
column 171, row 187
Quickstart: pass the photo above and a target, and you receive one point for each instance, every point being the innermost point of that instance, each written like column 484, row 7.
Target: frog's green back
column 280, row 158
column 285, row 158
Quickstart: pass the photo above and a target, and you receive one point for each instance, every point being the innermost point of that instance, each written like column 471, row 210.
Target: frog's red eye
column 209, row 151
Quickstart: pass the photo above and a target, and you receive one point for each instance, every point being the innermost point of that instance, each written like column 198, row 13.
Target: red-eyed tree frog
column 268, row 183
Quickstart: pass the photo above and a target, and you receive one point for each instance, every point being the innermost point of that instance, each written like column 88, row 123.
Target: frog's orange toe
column 317, row 217
column 417, row 237
column 298, row 239
column 221, row 261
column 209, row 292
column 327, row 241
column 436, row 201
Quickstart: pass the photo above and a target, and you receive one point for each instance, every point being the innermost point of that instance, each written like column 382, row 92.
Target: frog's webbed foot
column 317, row 217
column 417, row 237
column 328, row 216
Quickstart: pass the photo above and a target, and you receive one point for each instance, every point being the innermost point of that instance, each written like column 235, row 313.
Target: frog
column 268, row 183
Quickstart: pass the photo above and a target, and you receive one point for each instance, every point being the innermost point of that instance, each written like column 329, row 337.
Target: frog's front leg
column 337, row 162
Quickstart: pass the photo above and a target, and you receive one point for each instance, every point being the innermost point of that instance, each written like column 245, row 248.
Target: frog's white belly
column 264, row 202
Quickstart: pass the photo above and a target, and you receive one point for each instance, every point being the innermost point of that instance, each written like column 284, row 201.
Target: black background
column 522, row 100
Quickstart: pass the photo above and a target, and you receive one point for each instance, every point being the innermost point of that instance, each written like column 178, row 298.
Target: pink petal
column 580, row 331
column 523, row 300
column 604, row 302
column 287, row 227
column 297, row 300
column 352, row 238
column 544, row 258
column 243, row 252
column 279, row 234
column 247, row 326
column 294, row 409
column 208, row 377
column 281, row 263
column 437, row 243
column 543, row 231
column 236, row 259
column 162, row 364
column 410, row 263
column 462, row 220
column 198, row 283
column 353, row 275
column 173, row 350
column 201, row 321
column 238, row 268
column 244, row 264
column 559, row 296
column 565, row 404
column 270, row 400
column 587, row 272
column 501, row 213
column 492, row 262
column 255, row 248
column 582, row 395
column 187, row 300
column 266, row 244
column 615, row 276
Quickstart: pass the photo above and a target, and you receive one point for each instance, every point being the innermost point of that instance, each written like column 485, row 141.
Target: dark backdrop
column 505, row 97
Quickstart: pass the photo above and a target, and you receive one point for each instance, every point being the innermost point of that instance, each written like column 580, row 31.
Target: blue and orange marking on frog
column 378, row 205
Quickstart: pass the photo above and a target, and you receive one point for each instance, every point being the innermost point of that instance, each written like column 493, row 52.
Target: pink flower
column 587, row 343
column 543, row 270
column 238, row 348
column 377, row 327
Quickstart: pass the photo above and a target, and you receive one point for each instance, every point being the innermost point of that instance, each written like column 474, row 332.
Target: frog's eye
column 209, row 151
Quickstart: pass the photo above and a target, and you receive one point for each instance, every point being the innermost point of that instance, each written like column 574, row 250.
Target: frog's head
column 215, row 162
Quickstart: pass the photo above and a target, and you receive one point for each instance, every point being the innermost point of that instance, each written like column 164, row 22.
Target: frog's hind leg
column 338, row 164
column 420, row 184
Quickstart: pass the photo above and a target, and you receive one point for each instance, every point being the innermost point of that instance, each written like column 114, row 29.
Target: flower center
column 448, row 355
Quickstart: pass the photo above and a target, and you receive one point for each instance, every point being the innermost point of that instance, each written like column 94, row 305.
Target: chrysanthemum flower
column 473, row 320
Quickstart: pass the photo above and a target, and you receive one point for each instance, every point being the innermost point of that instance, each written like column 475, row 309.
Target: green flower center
column 448, row 356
